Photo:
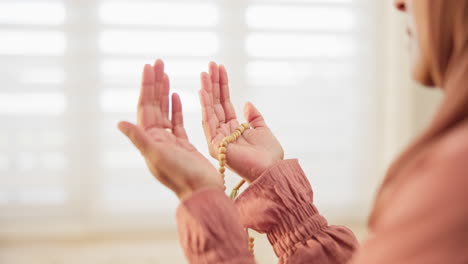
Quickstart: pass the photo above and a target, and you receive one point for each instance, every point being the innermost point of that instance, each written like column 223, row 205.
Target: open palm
column 163, row 142
column 257, row 149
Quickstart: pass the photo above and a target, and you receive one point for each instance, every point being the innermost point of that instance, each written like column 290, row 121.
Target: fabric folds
column 280, row 204
column 210, row 230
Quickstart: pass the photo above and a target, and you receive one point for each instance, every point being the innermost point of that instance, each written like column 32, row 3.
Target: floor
column 145, row 248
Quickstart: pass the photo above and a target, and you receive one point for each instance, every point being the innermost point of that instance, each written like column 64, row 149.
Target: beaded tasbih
column 222, row 152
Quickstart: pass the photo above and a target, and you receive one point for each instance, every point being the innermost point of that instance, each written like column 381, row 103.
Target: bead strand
column 222, row 152
column 251, row 245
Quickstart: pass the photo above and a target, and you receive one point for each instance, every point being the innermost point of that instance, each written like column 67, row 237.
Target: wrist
column 184, row 195
column 190, row 189
column 265, row 168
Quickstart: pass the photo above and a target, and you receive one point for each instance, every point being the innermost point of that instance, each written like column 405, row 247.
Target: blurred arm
column 210, row 229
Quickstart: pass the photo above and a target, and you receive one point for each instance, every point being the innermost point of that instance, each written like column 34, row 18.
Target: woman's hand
column 257, row 149
column 163, row 142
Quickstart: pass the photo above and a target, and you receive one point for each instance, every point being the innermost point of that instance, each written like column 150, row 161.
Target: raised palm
column 163, row 141
column 257, row 149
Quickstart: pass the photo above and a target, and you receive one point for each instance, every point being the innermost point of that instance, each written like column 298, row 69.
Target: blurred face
column 417, row 30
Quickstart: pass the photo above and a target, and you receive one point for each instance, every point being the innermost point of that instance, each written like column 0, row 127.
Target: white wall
column 408, row 107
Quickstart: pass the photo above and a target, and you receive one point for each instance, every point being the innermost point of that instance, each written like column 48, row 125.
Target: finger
column 214, row 77
column 177, row 117
column 145, row 115
column 164, row 101
column 206, row 100
column 157, row 92
column 253, row 116
column 225, row 98
column 209, row 119
column 137, row 135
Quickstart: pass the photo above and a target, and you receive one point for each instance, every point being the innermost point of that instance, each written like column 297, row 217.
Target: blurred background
column 330, row 76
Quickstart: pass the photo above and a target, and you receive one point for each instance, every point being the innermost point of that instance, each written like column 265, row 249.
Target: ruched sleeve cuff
column 210, row 230
column 280, row 204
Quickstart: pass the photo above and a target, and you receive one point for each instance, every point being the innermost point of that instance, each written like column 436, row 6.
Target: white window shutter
column 71, row 71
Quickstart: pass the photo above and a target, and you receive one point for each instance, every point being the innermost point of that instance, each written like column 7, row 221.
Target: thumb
column 137, row 135
column 253, row 116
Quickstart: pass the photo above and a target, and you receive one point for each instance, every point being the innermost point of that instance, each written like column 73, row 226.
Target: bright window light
column 25, row 138
column 32, row 12
column 299, row 17
column 129, row 71
column 32, row 42
column 4, row 197
column 53, row 138
column 42, row 195
column 116, row 70
column 308, row 1
column 305, row 55
column 151, row 13
column 26, row 161
column 32, row 103
column 299, row 45
column 162, row 43
column 4, row 139
column 43, row 76
column 190, row 101
column 267, row 73
column 138, row 197
column 122, row 160
column 125, row 101
column 53, row 161
column 119, row 101
column 4, row 162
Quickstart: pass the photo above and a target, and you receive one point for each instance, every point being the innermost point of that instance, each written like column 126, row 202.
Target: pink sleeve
column 280, row 204
column 425, row 220
column 210, row 230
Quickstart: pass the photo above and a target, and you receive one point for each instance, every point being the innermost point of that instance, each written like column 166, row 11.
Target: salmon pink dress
column 424, row 224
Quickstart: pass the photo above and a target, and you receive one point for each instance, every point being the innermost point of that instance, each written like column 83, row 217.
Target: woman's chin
column 423, row 77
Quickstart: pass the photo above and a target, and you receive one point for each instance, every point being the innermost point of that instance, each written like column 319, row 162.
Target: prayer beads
column 222, row 158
